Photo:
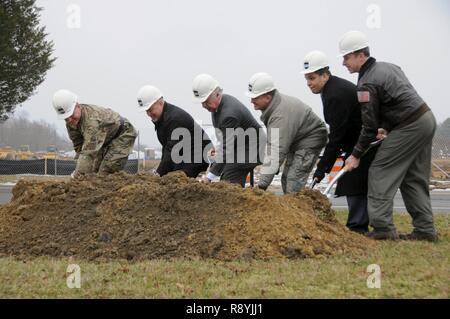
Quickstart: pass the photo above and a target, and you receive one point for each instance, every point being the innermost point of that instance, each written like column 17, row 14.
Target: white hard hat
column 203, row 86
column 64, row 103
column 314, row 61
column 147, row 96
column 259, row 84
column 352, row 41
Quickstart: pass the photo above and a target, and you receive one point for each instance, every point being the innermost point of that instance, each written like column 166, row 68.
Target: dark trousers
column 192, row 170
column 358, row 218
column 237, row 173
column 403, row 161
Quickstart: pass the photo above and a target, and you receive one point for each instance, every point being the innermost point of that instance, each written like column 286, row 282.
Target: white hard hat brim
column 341, row 55
column 313, row 69
column 67, row 114
column 147, row 106
column 351, row 51
column 251, row 95
column 255, row 95
column 202, row 99
column 143, row 108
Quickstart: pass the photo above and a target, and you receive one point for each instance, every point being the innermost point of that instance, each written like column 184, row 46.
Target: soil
column 140, row 217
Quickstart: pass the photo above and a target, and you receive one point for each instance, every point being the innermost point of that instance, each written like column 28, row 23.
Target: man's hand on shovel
column 351, row 163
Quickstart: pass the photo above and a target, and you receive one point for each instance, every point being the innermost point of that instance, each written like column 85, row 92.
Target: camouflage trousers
column 114, row 156
column 297, row 168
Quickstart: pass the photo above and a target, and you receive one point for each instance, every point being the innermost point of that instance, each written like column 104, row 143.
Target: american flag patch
column 363, row 96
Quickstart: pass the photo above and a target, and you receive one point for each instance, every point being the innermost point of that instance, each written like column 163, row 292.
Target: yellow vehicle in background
column 52, row 152
column 7, row 153
column 24, row 153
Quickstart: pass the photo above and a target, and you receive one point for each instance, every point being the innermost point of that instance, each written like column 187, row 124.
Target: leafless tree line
column 39, row 135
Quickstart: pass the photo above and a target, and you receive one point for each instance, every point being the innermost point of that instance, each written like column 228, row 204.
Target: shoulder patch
column 363, row 96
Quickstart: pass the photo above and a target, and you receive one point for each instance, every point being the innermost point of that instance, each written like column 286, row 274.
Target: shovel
column 343, row 171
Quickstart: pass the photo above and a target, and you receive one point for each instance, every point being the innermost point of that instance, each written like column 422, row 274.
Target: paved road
column 440, row 200
column 5, row 194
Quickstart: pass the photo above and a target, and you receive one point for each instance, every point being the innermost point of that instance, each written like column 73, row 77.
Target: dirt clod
column 138, row 217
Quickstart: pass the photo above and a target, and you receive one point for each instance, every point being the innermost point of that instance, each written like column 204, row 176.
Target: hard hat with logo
column 64, row 103
column 352, row 41
column 259, row 84
column 147, row 96
column 203, row 86
column 314, row 61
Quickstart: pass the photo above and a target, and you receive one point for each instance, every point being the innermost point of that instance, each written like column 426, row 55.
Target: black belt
column 414, row 117
column 119, row 131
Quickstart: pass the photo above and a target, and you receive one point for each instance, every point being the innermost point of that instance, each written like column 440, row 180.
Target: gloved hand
column 75, row 175
column 263, row 187
column 209, row 178
column 212, row 177
column 318, row 176
column 204, row 179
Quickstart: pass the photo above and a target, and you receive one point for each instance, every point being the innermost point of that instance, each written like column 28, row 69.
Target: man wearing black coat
column 343, row 115
column 184, row 142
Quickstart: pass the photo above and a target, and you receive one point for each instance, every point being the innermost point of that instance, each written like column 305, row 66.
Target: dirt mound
column 144, row 217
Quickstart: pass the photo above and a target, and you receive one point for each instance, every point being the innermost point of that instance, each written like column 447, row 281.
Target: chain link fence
column 53, row 162
column 49, row 167
column 441, row 157
column 441, row 147
column 12, row 164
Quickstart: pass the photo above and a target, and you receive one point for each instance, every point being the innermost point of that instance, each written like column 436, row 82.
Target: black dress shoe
column 359, row 231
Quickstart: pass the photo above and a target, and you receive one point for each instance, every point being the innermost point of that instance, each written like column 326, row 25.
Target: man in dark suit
column 239, row 134
column 184, row 142
column 343, row 115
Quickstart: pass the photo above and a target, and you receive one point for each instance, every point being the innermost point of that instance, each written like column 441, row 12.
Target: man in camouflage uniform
column 102, row 139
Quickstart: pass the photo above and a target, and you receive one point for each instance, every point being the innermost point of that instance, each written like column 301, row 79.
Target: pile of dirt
column 143, row 216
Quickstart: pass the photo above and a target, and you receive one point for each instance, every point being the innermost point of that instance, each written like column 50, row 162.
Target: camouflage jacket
column 95, row 130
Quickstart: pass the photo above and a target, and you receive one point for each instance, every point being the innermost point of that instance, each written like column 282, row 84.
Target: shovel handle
column 346, row 168
column 335, row 179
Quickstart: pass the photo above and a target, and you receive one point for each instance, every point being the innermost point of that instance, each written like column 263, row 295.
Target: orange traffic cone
column 336, row 168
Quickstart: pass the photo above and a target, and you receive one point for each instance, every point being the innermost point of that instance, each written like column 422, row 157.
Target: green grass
column 408, row 270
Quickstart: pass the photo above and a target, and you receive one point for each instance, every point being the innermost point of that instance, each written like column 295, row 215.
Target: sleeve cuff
column 357, row 153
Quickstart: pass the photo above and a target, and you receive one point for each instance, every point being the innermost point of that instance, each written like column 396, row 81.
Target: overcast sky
column 108, row 49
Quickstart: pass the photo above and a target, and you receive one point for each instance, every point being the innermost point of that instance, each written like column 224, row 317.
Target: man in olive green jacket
column 295, row 134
